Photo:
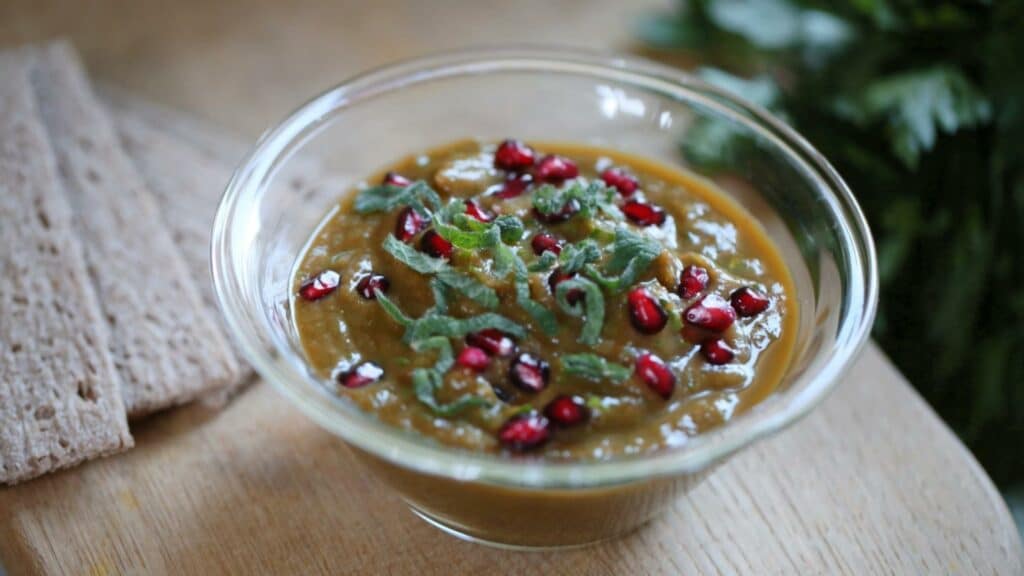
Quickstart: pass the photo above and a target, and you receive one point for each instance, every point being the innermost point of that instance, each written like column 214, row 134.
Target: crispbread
column 187, row 198
column 60, row 398
column 165, row 346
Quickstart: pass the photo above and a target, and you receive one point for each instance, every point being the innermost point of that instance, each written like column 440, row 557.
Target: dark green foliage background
column 920, row 106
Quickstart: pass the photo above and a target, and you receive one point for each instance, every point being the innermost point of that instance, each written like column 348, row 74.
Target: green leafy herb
column 544, row 263
column 413, row 258
column 592, row 198
column 386, row 198
column 575, row 256
column 541, row 315
column 594, row 367
column 425, row 383
column 632, row 254
column 470, row 287
column 392, row 309
column 592, row 310
column 511, row 228
column 441, row 295
column 437, row 325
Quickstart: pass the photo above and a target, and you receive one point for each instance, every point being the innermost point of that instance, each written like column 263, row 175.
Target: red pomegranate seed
column 473, row 210
column 529, row 373
column 513, row 155
column 320, row 285
column 525, row 432
column 621, row 180
column 553, row 168
column 514, row 186
column 749, row 301
column 568, row 211
column 544, row 242
column 368, row 286
column 409, row 224
column 395, row 179
column 692, row 281
column 435, row 245
column 493, row 341
column 473, row 358
column 656, row 374
column 716, row 351
column 567, row 411
column 644, row 214
column 711, row 312
column 360, row 375
column 556, row 277
column 646, row 314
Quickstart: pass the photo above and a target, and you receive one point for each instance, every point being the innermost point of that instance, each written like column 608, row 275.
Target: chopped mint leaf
column 425, row 382
column 575, row 256
column 592, row 309
column 386, row 198
column 592, row 197
column 541, row 315
column 544, row 263
column 511, row 228
column 392, row 309
column 440, row 290
column 445, row 357
column 411, row 257
column 504, row 260
column 438, row 325
column 594, row 367
column 632, row 253
column 472, row 288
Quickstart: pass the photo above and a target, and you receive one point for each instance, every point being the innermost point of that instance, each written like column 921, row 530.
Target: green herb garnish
column 438, row 325
column 632, row 253
column 413, row 258
column 575, row 256
column 386, row 198
column 470, row 287
column 392, row 309
column 592, row 197
column 541, row 315
column 594, row 367
column 592, row 309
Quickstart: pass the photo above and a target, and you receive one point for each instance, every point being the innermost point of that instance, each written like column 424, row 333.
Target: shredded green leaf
column 592, row 309
column 470, row 287
column 575, row 256
column 425, row 382
column 632, row 253
column 437, row 325
column 594, row 367
column 413, row 258
column 592, row 197
column 512, row 229
column 392, row 309
column 440, row 290
column 386, row 198
column 544, row 263
column 541, row 315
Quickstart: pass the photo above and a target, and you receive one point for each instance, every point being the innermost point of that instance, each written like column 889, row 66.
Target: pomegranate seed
column 513, row 155
column 395, row 179
column 368, row 286
column 692, row 281
column 557, row 276
column 646, row 314
column 644, row 214
column 544, row 242
column 716, row 351
column 568, row 211
column 435, row 245
column 410, row 223
column 656, row 374
column 493, row 341
column 567, row 411
column 621, row 180
column 525, row 432
column 749, row 301
column 552, row 168
column 514, row 186
column 320, row 285
column 711, row 312
column 529, row 373
column 360, row 375
column 473, row 358
column 473, row 210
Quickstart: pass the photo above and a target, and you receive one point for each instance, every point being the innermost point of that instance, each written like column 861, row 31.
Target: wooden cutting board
column 871, row 482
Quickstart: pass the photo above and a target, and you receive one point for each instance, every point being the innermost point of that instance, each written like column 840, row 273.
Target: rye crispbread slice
column 60, row 396
column 166, row 347
column 187, row 198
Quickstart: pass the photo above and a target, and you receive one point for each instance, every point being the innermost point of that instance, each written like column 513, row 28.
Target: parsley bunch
column 921, row 108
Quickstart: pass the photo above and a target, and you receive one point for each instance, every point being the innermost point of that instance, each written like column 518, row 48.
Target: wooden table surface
column 871, row 482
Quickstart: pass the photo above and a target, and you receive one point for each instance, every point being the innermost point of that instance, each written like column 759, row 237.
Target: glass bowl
column 298, row 170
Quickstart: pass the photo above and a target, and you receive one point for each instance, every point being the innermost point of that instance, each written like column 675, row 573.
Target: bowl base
column 457, row 533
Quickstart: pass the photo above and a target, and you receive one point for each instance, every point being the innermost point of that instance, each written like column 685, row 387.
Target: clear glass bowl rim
column 406, row 450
